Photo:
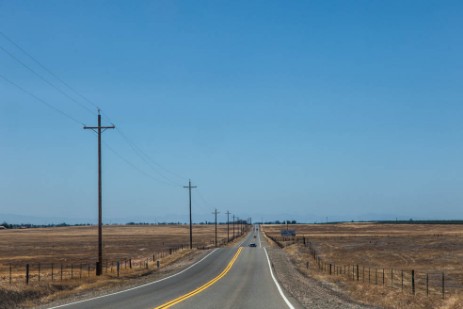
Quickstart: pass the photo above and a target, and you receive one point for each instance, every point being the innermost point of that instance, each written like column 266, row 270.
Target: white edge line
column 136, row 287
column 276, row 283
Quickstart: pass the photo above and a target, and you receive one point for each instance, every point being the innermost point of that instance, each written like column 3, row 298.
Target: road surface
column 238, row 277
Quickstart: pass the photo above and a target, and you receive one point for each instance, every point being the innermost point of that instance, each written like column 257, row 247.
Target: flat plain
column 432, row 251
column 62, row 259
column 79, row 244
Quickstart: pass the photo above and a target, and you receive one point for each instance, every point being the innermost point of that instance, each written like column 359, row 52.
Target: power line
column 129, row 163
column 148, row 160
column 47, row 70
column 56, row 109
column 156, row 167
column 45, row 80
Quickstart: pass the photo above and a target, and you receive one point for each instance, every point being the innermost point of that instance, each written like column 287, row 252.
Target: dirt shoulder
column 309, row 292
column 49, row 295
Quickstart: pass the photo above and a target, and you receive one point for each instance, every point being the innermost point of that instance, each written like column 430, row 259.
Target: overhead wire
column 45, row 80
column 137, row 150
column 146, row 158
column 129, row 163
column 48, row 71
column 49, row 105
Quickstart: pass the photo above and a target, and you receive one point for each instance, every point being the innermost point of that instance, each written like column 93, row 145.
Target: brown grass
column 78, row 245
column 427, row 249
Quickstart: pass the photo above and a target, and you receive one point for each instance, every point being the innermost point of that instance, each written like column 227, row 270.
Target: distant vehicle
column 252, row 245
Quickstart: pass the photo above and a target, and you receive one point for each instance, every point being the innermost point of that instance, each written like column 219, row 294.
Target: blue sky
column 275, row 109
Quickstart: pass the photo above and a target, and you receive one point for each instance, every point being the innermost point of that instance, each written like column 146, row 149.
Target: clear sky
column 301, row 110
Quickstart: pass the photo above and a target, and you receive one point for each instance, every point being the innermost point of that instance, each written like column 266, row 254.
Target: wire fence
column 30, row 273
column 406, row 280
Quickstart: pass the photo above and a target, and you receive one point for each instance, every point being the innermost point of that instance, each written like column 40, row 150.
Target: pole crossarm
column 95, row 129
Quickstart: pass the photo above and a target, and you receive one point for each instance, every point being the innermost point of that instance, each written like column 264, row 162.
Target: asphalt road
column 225, row 278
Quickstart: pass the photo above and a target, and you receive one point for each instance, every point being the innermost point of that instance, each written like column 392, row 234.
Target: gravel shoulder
column 309, row 292
column 127, row 283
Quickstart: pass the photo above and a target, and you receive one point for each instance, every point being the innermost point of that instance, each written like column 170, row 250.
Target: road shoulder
column 309, row 292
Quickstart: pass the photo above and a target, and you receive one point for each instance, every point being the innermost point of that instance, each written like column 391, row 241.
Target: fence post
column 383, row 276
column 118, row 268
column 307, row 265
column 80, row 273
column 376, row 276
column 413, row 281
column 61, row 273
column 27, row 273
column 38, row 266
column 402, row 280
column 52, row 271
column 72, row 271
column 158, row 264
column 330, row 268
column 358, row 276
column 10, row 273
column 368, row 275
column 130, row 263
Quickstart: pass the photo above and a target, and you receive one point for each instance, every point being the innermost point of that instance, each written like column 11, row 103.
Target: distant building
column 288, row 233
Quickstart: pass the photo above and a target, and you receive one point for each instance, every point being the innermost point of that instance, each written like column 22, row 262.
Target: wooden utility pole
column 228, row 226
column 215, row 213
column 99, row 129
column 189, row 187
column 233, row 226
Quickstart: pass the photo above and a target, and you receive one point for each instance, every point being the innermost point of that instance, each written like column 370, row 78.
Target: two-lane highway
column 238, row 277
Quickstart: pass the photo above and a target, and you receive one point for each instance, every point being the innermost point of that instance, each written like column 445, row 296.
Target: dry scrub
column 66, row 245
column 424, row 248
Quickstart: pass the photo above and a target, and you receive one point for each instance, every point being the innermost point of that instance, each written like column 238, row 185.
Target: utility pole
column 233, row 226
column 228, row 226
column 215, row 213
column 238, row 228
column 189, row 187
column 99, row 129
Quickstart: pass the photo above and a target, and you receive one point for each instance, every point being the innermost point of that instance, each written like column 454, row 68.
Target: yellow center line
column 203, row 287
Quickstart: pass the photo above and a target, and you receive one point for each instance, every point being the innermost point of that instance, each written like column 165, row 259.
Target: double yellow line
column 203, row 287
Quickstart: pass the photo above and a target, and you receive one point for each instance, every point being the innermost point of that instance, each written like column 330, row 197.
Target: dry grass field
column 79, row 244
column 62, row 259
column 429, row 250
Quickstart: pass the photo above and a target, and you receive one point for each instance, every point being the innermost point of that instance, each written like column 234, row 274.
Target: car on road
column 252, row 245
